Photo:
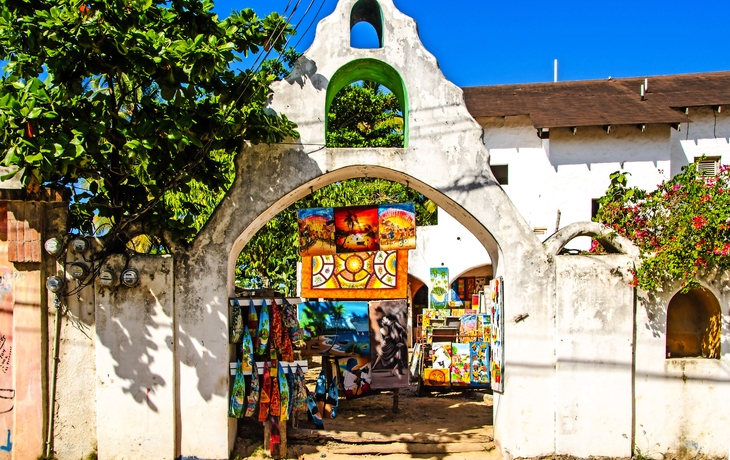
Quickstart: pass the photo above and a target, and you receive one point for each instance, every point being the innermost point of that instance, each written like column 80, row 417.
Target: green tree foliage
column 365, row 114
column 681, row 228
column 133, row 106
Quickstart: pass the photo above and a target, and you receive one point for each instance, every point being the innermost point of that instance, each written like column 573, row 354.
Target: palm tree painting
column 356, row 229
column 333, row 328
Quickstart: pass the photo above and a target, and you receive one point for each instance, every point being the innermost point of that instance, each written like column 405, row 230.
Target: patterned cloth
column 247, row 351
column 236, row 322
column 238, row 395
column 264, row 328
column 265, row 399
column 300, row 395
column 277, row 328
column 287, row 350
column 283, row 394
column 253, row 396
column 275, row 406
column 253, row 321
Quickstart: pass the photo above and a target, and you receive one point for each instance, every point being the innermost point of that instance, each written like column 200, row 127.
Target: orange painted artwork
column 360, row 275
column 356, row 229
column 316, row 231
column 397, row 223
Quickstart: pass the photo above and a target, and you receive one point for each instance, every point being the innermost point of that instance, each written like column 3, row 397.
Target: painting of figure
column 316, row 231
column 397, row 224
column 388, row 347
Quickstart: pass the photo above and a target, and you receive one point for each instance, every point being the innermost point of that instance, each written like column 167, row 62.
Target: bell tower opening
column 370, row 34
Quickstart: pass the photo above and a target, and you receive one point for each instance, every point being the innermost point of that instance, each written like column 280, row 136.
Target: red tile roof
column 601, row 102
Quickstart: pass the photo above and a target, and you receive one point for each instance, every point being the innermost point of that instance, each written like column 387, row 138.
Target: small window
column 693, row 325
column 501, row 173
column 595, row 206
column 708, row 166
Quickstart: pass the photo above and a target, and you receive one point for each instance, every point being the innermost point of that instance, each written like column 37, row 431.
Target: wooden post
column 267, row 436
column 282, row 446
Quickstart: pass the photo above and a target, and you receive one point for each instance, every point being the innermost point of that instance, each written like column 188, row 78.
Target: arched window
column 377, row 82
column 693, row 325
column 366, row 25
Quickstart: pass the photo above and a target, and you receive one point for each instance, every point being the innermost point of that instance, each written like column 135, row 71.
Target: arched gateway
column 443, row 158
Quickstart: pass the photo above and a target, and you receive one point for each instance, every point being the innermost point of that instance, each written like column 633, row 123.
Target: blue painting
column 335, row 328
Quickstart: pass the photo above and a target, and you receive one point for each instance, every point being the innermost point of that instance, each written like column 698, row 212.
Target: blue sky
column 489, row 42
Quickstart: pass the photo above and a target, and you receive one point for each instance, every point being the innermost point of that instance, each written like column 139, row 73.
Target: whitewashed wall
column 681, row 403
column 135, row 386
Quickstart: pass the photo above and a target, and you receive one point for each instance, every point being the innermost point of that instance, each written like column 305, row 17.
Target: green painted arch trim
column 371, row 70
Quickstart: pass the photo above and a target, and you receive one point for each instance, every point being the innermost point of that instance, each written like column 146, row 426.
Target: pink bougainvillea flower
column 699, row 222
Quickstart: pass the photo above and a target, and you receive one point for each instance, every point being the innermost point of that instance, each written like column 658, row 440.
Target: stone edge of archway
column 605, row 235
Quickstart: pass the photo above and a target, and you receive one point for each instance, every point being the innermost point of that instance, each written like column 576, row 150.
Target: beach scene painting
column 356, row 229
column 335, row 328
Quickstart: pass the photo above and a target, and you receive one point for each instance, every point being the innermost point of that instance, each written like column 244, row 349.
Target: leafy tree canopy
column 681, row 228
column 133, row 106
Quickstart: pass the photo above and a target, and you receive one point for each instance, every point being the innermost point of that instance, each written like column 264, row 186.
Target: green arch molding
column 372, row 70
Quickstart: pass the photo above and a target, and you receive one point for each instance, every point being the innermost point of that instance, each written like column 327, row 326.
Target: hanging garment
column 314, row 412
column 332, row 398
column 291, row 323
column 320, row 391
column 253, row 321
column 238, row 395
column 287, row 350
column 265, row 398
column 300, row 396
column 283, row 395
column 236, row 331
column 264, row 328
column 277, row 327
column 247, row 351
column 253, row 396
column 275, row 406
column 275, row 434
column 291, row 381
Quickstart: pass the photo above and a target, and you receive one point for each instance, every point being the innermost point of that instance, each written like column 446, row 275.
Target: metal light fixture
column 107, row 278
column 53, row 246
column 78, row 271
column 80, row 245
column 54, row 284
column 130, row 277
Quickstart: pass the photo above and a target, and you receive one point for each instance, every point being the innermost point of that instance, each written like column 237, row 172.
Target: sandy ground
column 450, row 425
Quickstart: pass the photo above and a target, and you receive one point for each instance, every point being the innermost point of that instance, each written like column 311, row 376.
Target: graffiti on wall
column 5, row 354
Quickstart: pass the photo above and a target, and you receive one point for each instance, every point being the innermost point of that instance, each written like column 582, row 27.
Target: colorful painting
column 484, row 326
column 316, row 231
column 335, row 328
column 469, row 328
column 479, row 357
column 436, row 377
column 388, row 344
column 460, row 364
column 497, row 335
column 356, row 229
column 441, row 355
column 355, row 376
column 397, row 226
column 361, row 275
column 439, row 287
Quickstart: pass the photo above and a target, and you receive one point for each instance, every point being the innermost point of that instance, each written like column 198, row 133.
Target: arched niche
column 370, row 70
column 694, row 325
column 368, row 11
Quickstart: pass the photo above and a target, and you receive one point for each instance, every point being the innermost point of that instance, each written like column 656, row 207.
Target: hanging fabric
column 291, row 382
column 247, row 351
column 275, row 405
column 238, row 395
column 265, row 398
column 320, row 390
column 253, row 396
column 287, row 350
column 277, row 327
column 332, row 398
column 253, row 321
column 236, row 329
column 264, row 328
column 314, row 412
column 283, row 394
column 275, row 434
column 300, row 396
column 291, row 323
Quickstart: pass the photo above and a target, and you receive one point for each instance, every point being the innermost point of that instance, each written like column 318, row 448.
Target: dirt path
column 449, row 425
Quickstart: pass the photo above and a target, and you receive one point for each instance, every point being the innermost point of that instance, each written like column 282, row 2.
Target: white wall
column 707, row 135
column 681, row 404
column 135, row 386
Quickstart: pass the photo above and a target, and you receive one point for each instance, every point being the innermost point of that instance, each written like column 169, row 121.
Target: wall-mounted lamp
column 78, row 271
column 53, row 246
column 130, row 277
column 107, row 278
column 54, row 284
column 80, row 245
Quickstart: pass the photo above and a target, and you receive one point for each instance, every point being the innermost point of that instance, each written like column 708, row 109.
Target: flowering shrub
column 680, row 228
